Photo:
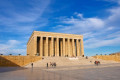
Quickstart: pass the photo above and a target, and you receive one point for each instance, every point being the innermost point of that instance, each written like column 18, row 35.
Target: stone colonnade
column 54, row 46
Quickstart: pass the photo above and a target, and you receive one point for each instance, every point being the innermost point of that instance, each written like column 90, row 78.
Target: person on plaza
column 47, row 65
column 55, row 64
column 50, row 64
column 32, row 65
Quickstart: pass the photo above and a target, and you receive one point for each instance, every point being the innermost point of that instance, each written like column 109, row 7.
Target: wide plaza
column 83, row 72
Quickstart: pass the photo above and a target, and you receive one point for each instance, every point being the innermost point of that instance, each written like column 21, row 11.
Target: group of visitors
column 66, row 55
column 32, row 65
column 97, row 63
column 52, row 64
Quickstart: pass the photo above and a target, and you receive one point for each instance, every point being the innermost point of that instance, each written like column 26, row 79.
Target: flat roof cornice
column 39, row 32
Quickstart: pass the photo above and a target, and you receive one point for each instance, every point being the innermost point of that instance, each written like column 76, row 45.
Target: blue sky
column 97, row 20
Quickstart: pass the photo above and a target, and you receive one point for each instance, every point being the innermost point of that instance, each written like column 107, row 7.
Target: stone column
column 41, row 46
column 57, row 46
column 82, row 47
column 52, row 49
column 73, row 47
column 63, row 46
column 69, row 47
column 78, row 47
column 46, row 47
column 35, row 46
column 66, row 47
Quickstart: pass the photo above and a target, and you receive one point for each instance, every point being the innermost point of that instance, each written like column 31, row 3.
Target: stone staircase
column 67, row 61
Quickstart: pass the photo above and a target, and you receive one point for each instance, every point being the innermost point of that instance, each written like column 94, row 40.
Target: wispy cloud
column 117, row 1
column 17, row 18
column 11, row 47
column 22, row 17
column 95, row 43
column 97, row 32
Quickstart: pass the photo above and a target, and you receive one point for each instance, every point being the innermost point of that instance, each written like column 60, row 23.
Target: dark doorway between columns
column 60, row 46
column 54, row 47
column 38, row 47
column 49, row 46
column 66, row 47
column 79, row 41
column 44, row 44
column 75, row 47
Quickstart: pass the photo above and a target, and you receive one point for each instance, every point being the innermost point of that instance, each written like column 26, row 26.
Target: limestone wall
column 118, row 54
column 55, row 44
column 31, row 47
column 13, row 61
column 108, row 57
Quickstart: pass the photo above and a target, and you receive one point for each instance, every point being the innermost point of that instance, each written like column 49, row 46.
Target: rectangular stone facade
column 17, row 61
column 55, row 44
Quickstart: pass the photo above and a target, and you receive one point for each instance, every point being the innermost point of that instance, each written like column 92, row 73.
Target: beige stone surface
column 13, row 61
column 108, row 57
column 65, row 61
column 57, row 44
column 81, row 72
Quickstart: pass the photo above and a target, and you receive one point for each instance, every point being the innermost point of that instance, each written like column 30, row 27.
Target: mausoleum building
column 55, row 44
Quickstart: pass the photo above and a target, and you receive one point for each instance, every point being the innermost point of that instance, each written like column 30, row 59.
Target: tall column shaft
column 46, row 47
column 78, row 47
column 68, row 47
column 35, row 46
column 57, row 46
column 73, row 47
column 82, row 46
column 52, row 47
column 63, row 46
column 41, row 46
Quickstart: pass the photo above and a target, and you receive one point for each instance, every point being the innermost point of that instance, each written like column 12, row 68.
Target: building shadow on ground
column 7, row 65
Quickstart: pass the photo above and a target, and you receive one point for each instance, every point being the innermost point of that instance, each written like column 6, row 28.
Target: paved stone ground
column 84, row 72
column 65, row 61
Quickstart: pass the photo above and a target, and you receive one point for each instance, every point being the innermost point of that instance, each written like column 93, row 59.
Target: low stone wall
column 108, row 57
column 14, row 61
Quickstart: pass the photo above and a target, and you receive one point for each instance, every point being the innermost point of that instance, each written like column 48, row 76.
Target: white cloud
column 20, row 20
column 10, row 48
column 9, row 44
column 110, row 28
column 13, row 51
column 94, row 42
column 114, row 17
column 23, row 19
column 26, row 15
column 89, row 35
column 79, row 15
column 97, row 32
column 117, row 1
column 80, row 25
column 114, row 35
column 85, row 22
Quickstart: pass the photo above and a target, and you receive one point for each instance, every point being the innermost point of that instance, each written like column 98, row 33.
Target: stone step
column 65, row 61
